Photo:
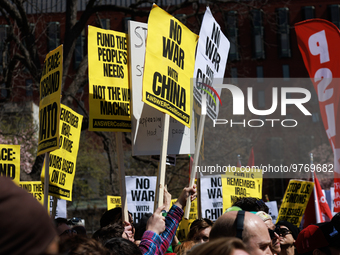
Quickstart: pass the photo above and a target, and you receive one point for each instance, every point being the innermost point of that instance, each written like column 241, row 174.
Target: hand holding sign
column 156, row 222
column 128, row 231
column 187, row 191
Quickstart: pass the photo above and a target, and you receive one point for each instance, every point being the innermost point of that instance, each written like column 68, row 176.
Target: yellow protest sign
column 184, row 225
column 62, row 162
column 36, row 188
column 295, row 201
column 113, row 202
column 109, row 97
column 240, row 182
column 49, row 105
column 10, row 161
column 169, row 66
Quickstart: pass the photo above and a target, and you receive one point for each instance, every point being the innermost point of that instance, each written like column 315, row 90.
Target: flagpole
column 317, row 210
column 239, row 164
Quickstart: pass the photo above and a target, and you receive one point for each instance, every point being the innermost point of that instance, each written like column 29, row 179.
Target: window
column 29, row 87
column 259, row 73
column 261, row 99
column 257, row 34
column 334, row 16
column 233, row 75
column 3, row 46
column 232, row 34
column 308, row 12
column 79, row 50
column 105, row 23
column 275, row 150
column 126, row 22
column 282, row 15
column 3, row 91
column 285, row 72
column 53, row 33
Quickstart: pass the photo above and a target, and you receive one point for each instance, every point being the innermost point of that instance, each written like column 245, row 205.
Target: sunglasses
column 284, row 231
column 273, row 232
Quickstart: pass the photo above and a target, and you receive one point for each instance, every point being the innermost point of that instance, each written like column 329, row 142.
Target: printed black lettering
column 114, row 108
column 67, row 144
column 169, row 90
column 175, row 32
column 48, row 121
column 216, row 182
column 55, row 176
column 105, row 40
column 173, row 52
column 114, row 93
column 49, row 84
column 98, row 92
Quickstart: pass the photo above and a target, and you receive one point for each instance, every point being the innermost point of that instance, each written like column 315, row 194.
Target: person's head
column 319, row 239
column 273, row 232
column 110, row 231
column 80, row 230
column 251, row 204
column 225, row 246
column 184, row 247
column 288, row 233
column 113, row 216
column 246, row 226
column 200, row 230
column 25, row 225
column 122, row 246
column 82, row 245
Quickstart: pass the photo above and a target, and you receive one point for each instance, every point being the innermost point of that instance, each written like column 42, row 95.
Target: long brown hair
column 197, row 226
column 224, row 245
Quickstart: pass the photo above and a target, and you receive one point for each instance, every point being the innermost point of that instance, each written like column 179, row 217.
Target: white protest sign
column 272, row 205
column 61, row 211
column 211, row 197
column 146, row 120
column 140, row 195
column 211, row 59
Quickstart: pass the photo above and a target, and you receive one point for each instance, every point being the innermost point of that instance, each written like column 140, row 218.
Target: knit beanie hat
column 25, row 226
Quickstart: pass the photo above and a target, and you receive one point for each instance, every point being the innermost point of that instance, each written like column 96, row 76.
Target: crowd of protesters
column 245, row 228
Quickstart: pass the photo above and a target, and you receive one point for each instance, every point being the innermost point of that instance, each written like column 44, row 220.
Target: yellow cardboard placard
column 113, row 202
column 109, row 97
column 49, row 105
column 169, row 66
column 36, row 188
column 62, row 162
column 10, row 161
column 240, row 182
column 295, row 201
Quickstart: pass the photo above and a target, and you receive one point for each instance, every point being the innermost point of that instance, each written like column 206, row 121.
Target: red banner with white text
column 319, row 42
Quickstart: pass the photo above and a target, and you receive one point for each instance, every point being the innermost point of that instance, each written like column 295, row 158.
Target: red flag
column 251, row 160
column 309, row 216
column 325, row 212
column 318, row 42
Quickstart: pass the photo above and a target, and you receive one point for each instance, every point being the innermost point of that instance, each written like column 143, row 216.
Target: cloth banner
column 318, row 42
